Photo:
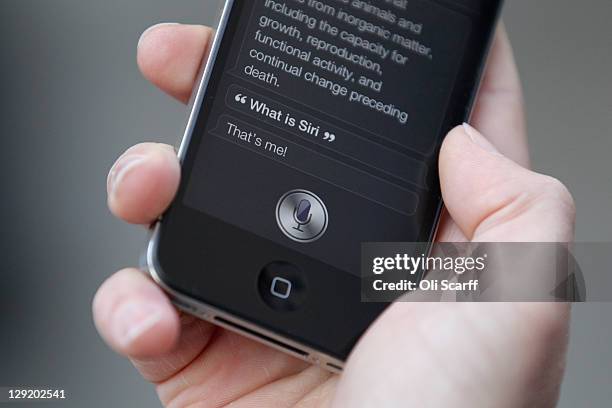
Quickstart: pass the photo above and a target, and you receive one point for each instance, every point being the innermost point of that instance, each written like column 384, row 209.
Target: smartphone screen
column 345, row 101
column 318, row 131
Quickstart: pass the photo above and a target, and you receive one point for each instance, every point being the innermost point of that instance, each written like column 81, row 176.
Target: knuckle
column 554, row 190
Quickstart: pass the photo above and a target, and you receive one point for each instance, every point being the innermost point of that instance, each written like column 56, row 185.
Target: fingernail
column 122, row 167
column 153, row 28
column 479, row 139
column 132, row 320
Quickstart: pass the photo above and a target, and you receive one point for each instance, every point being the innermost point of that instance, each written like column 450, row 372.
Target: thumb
column 493, row 199
column 469, row 354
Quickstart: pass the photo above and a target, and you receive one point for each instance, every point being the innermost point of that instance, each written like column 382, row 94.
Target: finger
column 134, row 316
column 136, row 319
column 229, row 368
column 312, row 387
column 499, row 109
column 195, row 335
column 143, row 182
column 170, row 56
column 499, row 113
column 458, row 355
column 493, row 199
column 448, row 230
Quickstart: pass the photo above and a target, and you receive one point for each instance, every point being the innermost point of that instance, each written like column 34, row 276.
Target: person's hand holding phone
column 457, row 354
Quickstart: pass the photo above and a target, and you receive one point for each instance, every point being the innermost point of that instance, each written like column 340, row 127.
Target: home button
column 282, row 286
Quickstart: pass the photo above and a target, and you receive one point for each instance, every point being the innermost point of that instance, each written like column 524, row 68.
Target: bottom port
column 265, row 338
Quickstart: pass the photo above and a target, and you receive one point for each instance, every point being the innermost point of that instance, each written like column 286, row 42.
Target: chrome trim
column 198, row 96
column 211, row 314
column 200, row 309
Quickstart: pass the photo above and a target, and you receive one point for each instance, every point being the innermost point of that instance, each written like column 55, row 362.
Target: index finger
column 170, row 56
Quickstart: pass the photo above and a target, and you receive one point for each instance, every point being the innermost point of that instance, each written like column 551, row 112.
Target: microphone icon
column 302, row 215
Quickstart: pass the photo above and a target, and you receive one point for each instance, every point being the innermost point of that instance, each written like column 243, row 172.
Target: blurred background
column 73, row 100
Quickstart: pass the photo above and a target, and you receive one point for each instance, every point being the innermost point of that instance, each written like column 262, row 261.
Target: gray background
column 73, row 100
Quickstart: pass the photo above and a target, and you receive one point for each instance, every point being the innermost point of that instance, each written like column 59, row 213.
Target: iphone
column 315, row 127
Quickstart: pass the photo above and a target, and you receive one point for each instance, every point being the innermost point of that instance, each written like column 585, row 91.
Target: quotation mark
column 330, row 137
column 240, row 98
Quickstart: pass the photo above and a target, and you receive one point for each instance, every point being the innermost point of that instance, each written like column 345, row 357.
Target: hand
column 460, row 355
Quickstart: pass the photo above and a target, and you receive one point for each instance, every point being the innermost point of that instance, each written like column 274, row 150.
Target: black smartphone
column 315, row 127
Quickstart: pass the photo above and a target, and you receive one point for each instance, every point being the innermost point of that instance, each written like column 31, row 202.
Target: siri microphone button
column 302, row 216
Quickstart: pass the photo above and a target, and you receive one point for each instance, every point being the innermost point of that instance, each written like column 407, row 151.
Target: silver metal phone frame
column 200, row 309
